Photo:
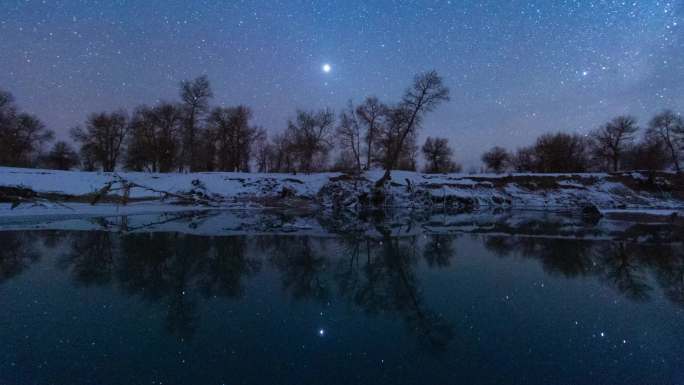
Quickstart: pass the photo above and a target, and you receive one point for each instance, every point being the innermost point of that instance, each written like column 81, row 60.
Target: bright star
column 321, row 332
column 327, row 68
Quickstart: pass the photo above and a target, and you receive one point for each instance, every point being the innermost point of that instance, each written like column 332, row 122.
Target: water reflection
column 377, row 274
column 16, row 254
column 626, row 267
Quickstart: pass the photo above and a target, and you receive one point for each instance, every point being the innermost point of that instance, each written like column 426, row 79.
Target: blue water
column 92, row 307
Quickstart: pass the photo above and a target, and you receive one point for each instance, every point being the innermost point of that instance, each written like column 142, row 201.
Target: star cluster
column 516, row 69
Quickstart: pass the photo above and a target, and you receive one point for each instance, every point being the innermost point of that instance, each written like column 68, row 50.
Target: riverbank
column 50, row 192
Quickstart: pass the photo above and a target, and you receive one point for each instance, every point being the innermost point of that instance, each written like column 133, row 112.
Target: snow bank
column 60, row 192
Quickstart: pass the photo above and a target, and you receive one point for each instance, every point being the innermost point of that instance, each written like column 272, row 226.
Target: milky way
column 515, row 69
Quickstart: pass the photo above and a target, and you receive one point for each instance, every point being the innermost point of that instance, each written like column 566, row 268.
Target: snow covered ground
column 72, row 192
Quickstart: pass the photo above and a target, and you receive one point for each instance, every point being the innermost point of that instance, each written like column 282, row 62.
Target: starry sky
column 515, row 68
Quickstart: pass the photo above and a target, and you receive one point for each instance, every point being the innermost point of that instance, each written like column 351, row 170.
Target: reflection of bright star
column 321, row 332
column 327, row 68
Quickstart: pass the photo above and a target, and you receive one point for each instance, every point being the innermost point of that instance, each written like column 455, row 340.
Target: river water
column 105, row 306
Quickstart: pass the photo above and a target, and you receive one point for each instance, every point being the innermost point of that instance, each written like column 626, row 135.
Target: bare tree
column 438, row 155
column 264, row 153
column 524, row 159
column 62, row 156
column 612, row 139
column 206, row 159
column 102, row 140
column 234, row 137
column 561, row 152
column 8, row 110
column 389, row 134
column 155, row 138
column 496, row 159
column 408, row 156
column 22, row 136
column 284, row 160
column 349, row 137
column 650, row 154
column 668, row 127
column 309, row 138
column 195, row 95
column 426, row 93
column 371, row 114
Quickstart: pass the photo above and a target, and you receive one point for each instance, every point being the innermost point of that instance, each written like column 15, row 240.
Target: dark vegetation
column 191, row 135
column 615, row 146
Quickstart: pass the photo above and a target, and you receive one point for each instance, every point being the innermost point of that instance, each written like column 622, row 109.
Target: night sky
column 515, row 68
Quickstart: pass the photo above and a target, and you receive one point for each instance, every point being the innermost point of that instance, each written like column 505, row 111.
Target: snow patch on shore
column 334, row 191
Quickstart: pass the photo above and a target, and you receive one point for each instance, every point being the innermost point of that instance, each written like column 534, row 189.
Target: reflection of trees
column 302, row 267
column 627, row 267
column 17, row 252
column 379, row 276
column 619, row 265
column 439, row 250
column 91, row 257
column 375, row 274
column 567, row 257
column 670, row 272
column 168, row 268
column 394, row 271
column 159, row 267
column 225, row 266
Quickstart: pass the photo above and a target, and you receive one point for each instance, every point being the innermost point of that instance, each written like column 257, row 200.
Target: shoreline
column 36, row 192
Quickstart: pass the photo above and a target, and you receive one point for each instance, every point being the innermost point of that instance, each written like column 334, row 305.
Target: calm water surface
column 95, row 307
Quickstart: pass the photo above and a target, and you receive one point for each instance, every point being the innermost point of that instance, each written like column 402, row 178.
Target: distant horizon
column 515, row 71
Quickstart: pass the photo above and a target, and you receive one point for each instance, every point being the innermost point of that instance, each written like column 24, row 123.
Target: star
column 326, row 68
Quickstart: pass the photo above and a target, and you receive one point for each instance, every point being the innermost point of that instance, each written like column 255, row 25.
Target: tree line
column 190, row 134
column 614, row 146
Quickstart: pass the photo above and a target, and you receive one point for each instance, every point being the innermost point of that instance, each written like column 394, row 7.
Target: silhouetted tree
column 22, row 135
column 426, row 93
column 195, row 95
column 561, row 152
column 62, row 156
column 649, row 154
column 437, row 155
column 611, row 141
column 524, row 160
column 388, row 137
column 496, row 159
column 264, row 152
column 309, row 138
column 668, row 127
column 371, row 114
column 103, row 138
column 283, row 159
column 234, row 137
column 154, row 140
column 349, row 138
